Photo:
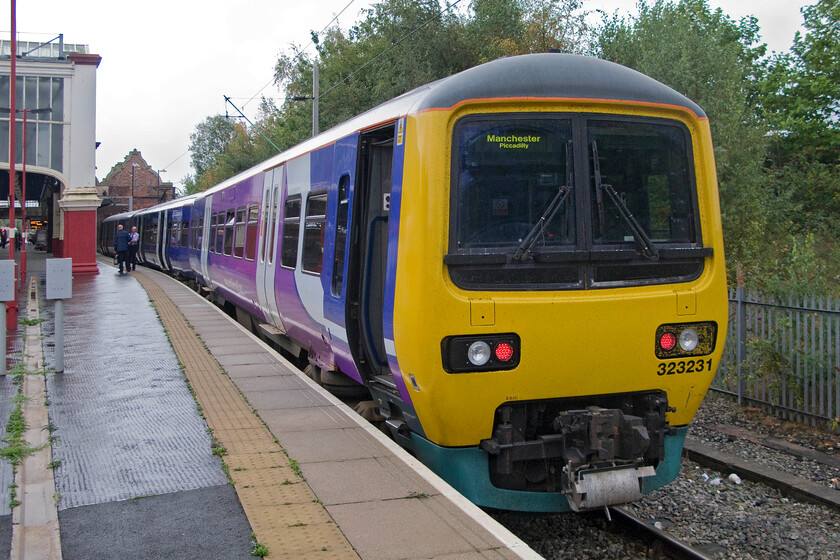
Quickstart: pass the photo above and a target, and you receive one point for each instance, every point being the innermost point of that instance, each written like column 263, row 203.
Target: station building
column 56, row 97
column 132, row 184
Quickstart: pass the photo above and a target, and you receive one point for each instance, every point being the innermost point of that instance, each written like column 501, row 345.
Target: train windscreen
column 571, row 201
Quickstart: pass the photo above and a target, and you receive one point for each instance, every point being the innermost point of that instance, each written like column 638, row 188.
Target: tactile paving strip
column 281, row 508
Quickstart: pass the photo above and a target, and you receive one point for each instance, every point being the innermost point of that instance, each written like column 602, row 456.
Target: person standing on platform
column 133, row 244
column 121, row 246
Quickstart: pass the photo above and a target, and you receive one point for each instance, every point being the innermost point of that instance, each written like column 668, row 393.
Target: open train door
column 368, row 256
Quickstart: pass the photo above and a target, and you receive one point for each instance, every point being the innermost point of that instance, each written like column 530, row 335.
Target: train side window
column 273, row 224
column 251, row 232
column 229, row 224
column 212, row 232
column 185, row 233
column 150, row 233
column 313, row 232
column 174, row 233
column 199, row 232
column 264, row 224
column 220, row 232
column 291, row 231
column 239, row 233
column 340, row 235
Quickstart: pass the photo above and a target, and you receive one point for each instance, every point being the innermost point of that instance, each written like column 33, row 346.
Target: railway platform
column 175, row 433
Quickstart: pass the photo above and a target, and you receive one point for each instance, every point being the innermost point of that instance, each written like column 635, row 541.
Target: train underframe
column 569, row 454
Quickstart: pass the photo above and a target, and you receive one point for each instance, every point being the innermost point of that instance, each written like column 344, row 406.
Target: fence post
column 741, row 333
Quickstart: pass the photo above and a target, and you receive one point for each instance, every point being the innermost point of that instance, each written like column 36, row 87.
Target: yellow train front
column 557, row 295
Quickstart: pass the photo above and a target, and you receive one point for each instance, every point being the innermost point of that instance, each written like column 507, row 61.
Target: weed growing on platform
column 30, row 322
column 296, row 468
column 417, row 495
column 258, row 549
column 217, row 448
column 13, row 501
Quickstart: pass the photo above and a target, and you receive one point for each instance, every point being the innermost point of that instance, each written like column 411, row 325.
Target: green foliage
column 801, row 89
column 798, row 95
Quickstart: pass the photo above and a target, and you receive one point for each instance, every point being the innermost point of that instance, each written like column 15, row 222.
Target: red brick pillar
column 78, row 206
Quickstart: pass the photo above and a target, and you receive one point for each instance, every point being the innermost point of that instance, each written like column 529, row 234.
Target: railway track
column 657, row 541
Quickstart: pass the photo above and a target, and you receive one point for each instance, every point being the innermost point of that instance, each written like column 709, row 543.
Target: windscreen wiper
column 556, row 203
column 642, row 240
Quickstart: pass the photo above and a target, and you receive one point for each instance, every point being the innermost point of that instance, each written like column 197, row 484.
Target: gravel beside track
column 706, row 509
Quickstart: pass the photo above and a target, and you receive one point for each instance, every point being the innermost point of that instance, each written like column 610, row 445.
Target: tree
column 209, row 140
column 801, row 92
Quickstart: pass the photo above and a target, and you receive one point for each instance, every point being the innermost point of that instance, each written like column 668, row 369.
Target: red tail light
column 504, row 352
column 667, row 341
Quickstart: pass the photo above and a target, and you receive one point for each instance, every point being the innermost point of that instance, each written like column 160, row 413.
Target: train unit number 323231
column 684, row 366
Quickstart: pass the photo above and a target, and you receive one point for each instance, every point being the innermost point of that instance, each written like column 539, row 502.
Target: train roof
column 564, row 76
column 548, row 76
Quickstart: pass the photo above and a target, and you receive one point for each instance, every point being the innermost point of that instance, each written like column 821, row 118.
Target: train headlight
column 689, row 339
column 472, row 353
column 478, row 353
column 685, row 339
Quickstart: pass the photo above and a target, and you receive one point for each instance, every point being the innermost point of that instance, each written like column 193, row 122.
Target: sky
column 167, row 65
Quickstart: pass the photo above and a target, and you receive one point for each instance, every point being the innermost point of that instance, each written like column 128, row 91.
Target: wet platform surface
column 138, row 477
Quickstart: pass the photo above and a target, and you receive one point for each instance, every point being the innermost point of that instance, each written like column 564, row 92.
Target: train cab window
column 251, row 232
column 647, row 167
column 220, row 232
column 340, row 235
column 239, row 233
column 212, row 232
column 512, row 175
column 313, row 233
column 291, row 231
column 230, row 222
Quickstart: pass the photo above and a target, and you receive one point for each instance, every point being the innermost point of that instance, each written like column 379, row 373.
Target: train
column 521, row 264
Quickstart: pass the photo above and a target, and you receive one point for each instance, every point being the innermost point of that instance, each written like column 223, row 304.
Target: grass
column 258, row 549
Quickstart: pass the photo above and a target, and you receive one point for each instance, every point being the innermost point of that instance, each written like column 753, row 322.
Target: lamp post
column 12, row 306
column 40, row 111
column 131, row 199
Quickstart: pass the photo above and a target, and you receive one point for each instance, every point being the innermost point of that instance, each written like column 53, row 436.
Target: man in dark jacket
column 121, row 245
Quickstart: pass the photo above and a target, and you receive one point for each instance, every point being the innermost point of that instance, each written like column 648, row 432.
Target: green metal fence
column 783, row 355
